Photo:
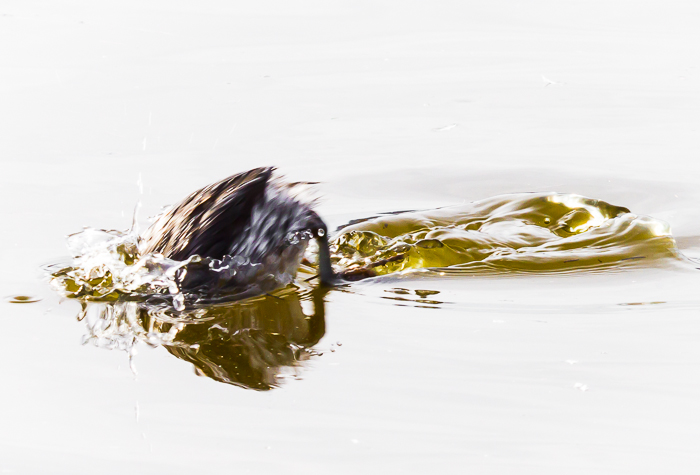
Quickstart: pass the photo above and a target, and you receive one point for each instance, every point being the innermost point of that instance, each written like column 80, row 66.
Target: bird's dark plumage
column 248, row 217
column 209, row 221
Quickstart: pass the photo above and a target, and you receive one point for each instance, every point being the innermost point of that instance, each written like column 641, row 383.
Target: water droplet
column 399, row 291
column 293, row 238
column 22, row 299
column 179, row 302
column 425, row 293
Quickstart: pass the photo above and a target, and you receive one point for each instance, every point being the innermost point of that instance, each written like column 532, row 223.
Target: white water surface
column 391, row 106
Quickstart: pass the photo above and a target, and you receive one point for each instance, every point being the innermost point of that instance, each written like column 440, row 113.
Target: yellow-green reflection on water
column 253, row 344
column 530, row 232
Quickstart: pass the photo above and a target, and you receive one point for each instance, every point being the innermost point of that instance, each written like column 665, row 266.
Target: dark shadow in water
column 250, row 344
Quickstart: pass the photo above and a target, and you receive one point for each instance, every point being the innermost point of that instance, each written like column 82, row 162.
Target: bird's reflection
column 247, row 343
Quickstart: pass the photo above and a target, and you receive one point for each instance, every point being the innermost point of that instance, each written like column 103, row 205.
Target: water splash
column 528, row 232
column 106, row 265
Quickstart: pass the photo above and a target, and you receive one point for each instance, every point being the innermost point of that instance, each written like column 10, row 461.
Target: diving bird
column 249, row 232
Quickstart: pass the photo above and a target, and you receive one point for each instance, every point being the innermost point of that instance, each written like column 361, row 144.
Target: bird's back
column 249, row 230
column 210, row 221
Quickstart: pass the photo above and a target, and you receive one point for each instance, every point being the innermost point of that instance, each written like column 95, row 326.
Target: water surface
column 414, row 107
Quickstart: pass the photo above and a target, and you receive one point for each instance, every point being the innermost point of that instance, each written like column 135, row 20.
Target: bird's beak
column 325, row 271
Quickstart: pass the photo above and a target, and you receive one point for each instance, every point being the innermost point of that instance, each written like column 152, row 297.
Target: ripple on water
column 527, row 232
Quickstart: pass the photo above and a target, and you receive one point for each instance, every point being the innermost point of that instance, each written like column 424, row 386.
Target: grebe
column 249, row 232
